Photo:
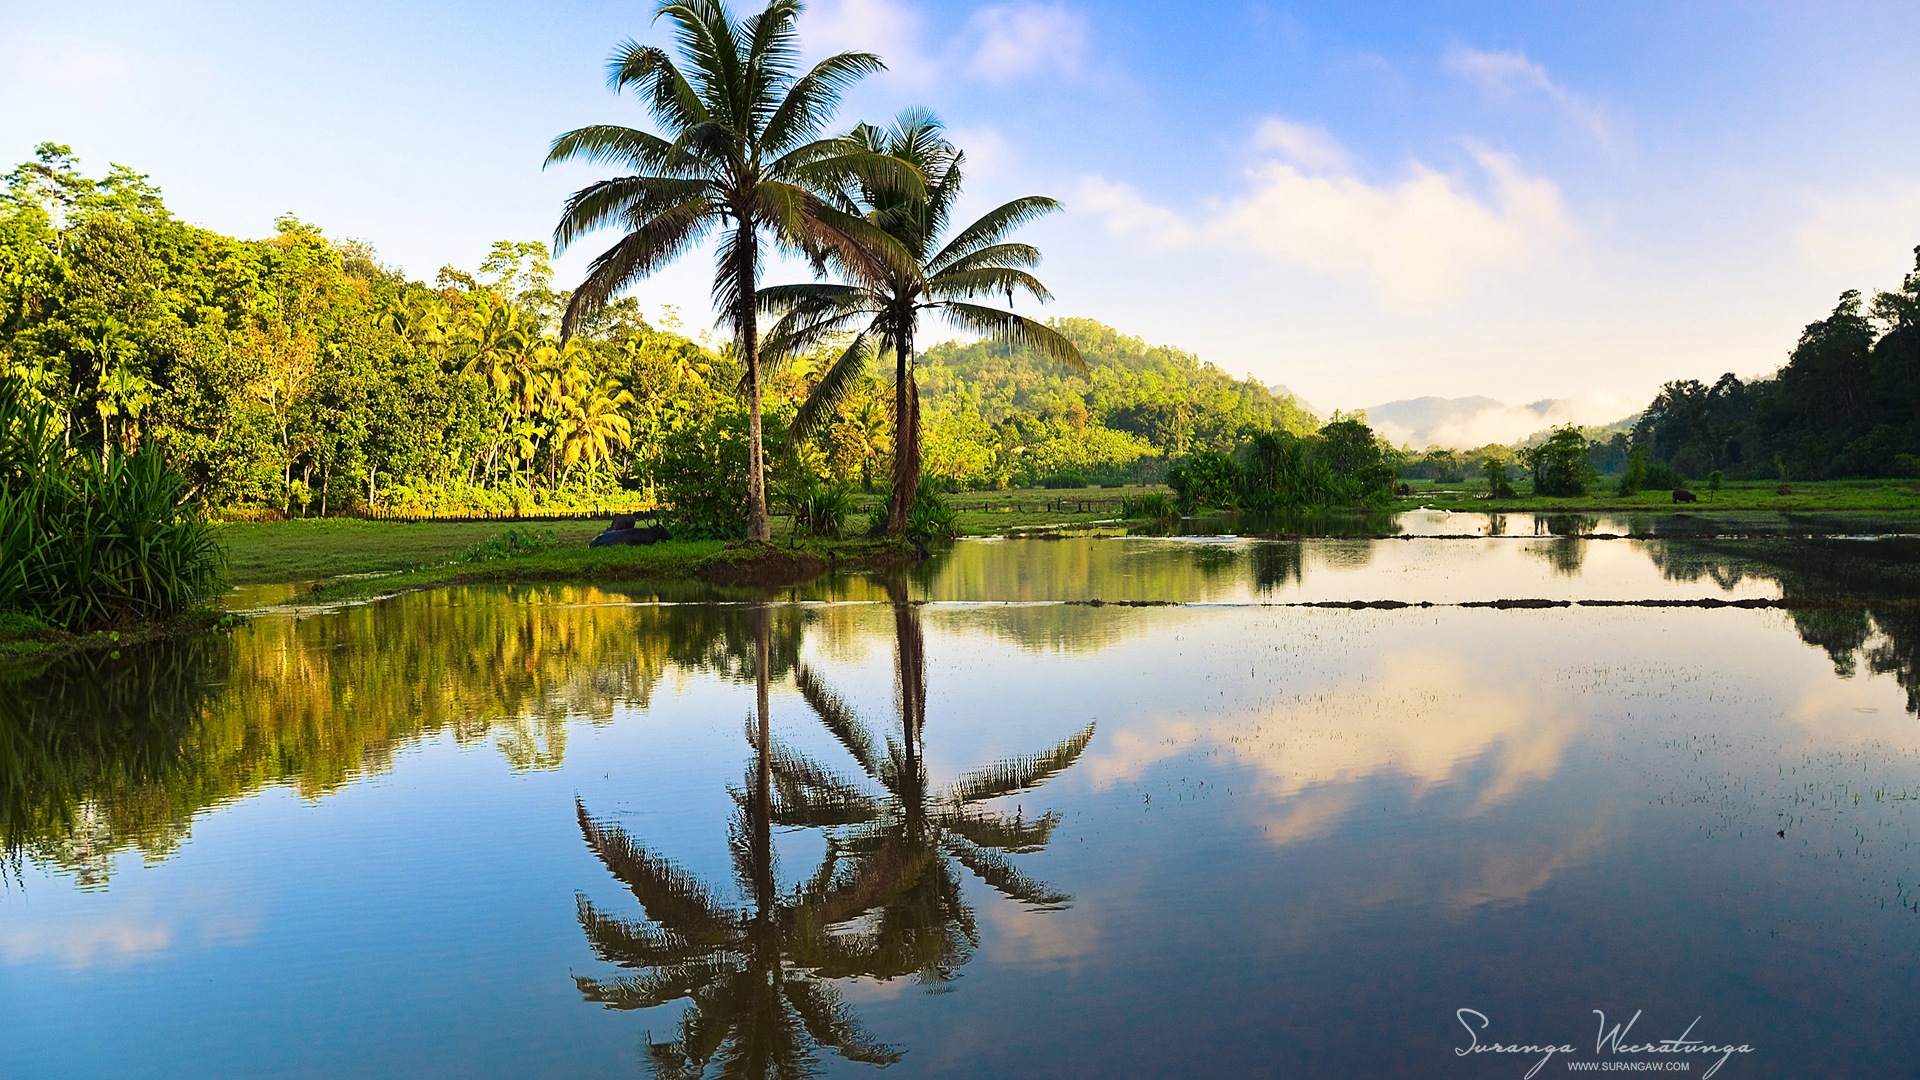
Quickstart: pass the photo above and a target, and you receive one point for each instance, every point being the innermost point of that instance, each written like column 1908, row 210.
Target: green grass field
column 313, row 548
column 1831, row 496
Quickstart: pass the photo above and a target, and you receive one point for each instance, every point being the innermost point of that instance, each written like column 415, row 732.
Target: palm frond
column 987, row 281
column 832, row 1025
column 650, row 989
column 838, row 717
column 632, row 944
column 812, row 99
column 670, row 896
column 621, row 199
column 1015, row 330
column 1001, row 833
column 831, row 390
column 992, row 228
column 1003, row 877
column 1018, row 774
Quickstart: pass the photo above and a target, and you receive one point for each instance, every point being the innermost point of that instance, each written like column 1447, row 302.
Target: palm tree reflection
column 884, row 902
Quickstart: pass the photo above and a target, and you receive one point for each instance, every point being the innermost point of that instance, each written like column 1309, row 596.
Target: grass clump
column 511, row 544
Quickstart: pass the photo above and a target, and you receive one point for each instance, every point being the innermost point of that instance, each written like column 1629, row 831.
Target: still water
column 968, row 822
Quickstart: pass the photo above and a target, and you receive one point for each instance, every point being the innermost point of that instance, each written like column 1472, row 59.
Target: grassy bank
column 315, row 548
column 1830, row 496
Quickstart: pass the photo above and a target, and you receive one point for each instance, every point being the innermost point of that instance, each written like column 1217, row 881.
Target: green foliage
column 1846, row 404
column 509, row 544
column 1139, row 408
column 1206, row 479
column 1635, row 476
column 1152, row 506
column 1663, row 477
column 930, row 520
column 1498, row 485
column 1057, row 481
column 701, row 477
column 89, row 541
column 820, row 507
column 1560, row 466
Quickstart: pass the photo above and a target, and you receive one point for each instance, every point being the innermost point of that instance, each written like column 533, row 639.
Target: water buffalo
column 1683, row 495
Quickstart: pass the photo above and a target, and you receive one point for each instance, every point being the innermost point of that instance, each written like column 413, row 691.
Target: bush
column 701, row 477
column 1635, row 477
column 1498, row 486
column 931, row 518
column 1204, row 479
column 1153, row 505
column 1065, row 480
column 1906, row 466
column 87, row 541
column 1663, row 477
column 819, row 507
column 508, row 544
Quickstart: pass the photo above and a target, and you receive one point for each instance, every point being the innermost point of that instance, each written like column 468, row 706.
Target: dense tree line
column 1846, row 404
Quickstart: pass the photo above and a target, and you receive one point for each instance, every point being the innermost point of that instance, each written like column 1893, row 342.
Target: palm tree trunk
column 906, row 436
column 746, row 325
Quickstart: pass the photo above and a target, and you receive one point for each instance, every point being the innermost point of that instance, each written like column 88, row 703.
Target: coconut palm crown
column 741, row 155
column 883, row 297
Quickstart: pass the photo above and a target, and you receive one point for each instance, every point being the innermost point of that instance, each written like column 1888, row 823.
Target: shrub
column 515, row 541
column 931, row 518
column 1906, row 466
column 819, row 507
column 1635, row 477
column 1498, row 485
column 1153, row 505
column 1663, row 477
column 1065, row 480
column 1205, row 479
column 701, row 477
column 89, row 541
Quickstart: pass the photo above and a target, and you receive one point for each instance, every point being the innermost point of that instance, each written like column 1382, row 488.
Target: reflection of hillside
column 1862, row 597
column 102, row 757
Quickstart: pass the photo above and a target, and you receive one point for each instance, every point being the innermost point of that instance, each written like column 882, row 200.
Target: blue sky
column 1362, row 201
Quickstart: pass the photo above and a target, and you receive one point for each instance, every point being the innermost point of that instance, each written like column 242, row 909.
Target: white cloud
column 1309, row 147
column 1863, row 236
column 1421, row 242
column 1128, row 213
column 1021, row 39
column 886, row 27
column 1509, row 74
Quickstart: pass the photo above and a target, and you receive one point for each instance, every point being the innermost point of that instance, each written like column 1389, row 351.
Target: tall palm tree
column 757, row 1002
column 925, row 929
column 741, row 156
column 885, row 307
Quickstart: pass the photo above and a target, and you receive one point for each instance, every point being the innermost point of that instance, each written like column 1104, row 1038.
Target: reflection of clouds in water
column 76, row 942
column 1414, row 715
column 1016, row 935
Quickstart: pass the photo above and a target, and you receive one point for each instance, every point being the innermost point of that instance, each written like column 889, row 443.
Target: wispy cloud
column 1025, row 39
column 1864, row 234
column 1511, row 74
column 1423, row 241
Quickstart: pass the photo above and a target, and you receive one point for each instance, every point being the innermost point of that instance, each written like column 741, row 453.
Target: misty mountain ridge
column 1464, row 423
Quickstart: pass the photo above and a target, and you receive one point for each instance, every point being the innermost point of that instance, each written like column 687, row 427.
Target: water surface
column 966, row 822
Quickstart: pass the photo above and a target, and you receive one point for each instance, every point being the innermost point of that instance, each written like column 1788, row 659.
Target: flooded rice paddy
column 1072, row 807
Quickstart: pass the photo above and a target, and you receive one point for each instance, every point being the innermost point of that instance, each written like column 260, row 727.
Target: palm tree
column 741, row 156
column 756, row 1003
column 978, row 261
column 924, row 929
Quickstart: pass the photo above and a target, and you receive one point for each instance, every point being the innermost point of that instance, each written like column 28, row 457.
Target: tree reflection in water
column 884, row 902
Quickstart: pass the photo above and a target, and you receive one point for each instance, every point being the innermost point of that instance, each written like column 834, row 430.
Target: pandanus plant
column 882, row 299
column 740, row 154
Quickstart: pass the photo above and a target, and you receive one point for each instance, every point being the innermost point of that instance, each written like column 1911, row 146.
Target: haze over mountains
column 1468, row 422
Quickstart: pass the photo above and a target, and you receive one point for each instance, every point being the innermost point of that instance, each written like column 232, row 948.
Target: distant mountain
column 1468, row 422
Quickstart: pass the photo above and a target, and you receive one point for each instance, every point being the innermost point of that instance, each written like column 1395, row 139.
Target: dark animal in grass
column 613, row 536
column 1403, row 490
column 1683, row 495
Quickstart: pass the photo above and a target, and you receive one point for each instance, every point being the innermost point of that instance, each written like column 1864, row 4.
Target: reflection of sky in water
column 1299, row 840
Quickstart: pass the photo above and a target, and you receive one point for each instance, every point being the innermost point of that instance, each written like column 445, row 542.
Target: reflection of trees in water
column 1567, row 551
column 1277, row 564
column 885, row 901
column 104, row 756
column 1861, row 596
